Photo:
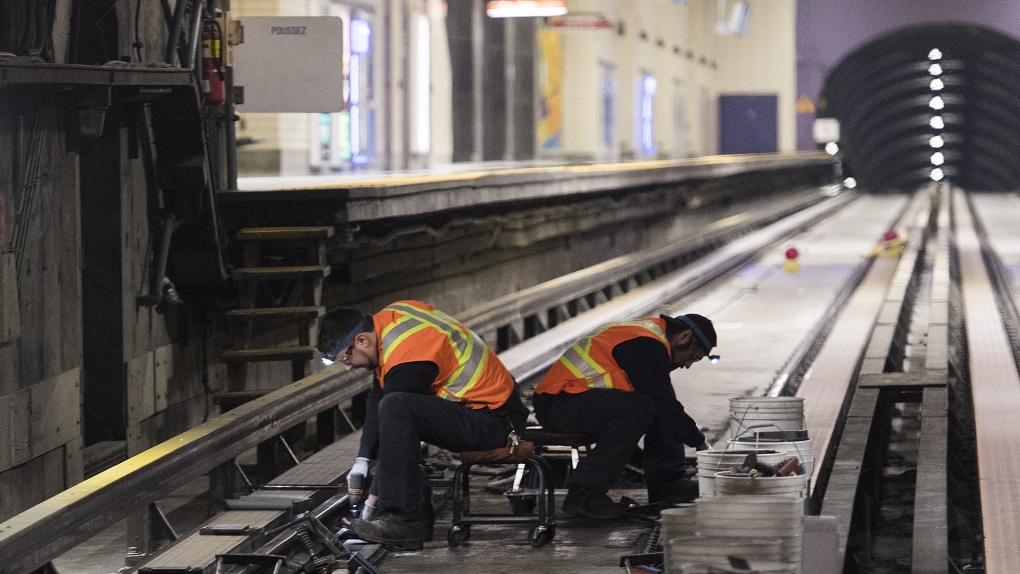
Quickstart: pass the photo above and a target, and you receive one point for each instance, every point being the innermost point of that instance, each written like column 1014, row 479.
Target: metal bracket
column 229, row 530
column 359, row 561
column 47, row 568
column 159, row 526
column 274, row 560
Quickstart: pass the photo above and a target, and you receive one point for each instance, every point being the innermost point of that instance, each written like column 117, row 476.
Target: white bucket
column 741, row 517
column 798, row 448
column 787, row 486
column 713, row 461
column 715, row 550
column 679, row 521
column 748, row 415
column 757, row 567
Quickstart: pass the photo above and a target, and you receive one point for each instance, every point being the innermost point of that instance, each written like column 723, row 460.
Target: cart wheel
column 523, row 504
column 540, row 535
column 457, row 534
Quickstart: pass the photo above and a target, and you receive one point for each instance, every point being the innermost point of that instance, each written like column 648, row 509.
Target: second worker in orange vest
column 435, row 382
column 614, row 386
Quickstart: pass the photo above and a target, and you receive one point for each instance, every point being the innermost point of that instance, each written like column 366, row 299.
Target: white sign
column 291, row 64
column 826, row 130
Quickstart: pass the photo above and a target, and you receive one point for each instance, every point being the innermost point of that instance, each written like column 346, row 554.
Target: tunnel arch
column 881, row 94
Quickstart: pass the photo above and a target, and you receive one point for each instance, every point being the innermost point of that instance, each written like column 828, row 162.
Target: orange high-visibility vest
column 589, row 363
column 469, row 371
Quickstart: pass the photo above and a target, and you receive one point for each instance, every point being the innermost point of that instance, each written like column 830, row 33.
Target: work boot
column 392, row 529
column 587, row 503
column 680, row 491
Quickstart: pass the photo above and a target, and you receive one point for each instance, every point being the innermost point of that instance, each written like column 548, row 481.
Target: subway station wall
column 616, row 80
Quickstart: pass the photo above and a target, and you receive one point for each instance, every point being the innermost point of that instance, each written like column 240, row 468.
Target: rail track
column 887, row 335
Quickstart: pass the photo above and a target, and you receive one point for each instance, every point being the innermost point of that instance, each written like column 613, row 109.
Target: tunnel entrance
column 929, row 102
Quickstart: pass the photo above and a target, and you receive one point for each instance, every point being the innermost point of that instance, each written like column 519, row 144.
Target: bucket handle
column 741, row 427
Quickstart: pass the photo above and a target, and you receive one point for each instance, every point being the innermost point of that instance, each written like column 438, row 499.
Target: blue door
column 747, row 124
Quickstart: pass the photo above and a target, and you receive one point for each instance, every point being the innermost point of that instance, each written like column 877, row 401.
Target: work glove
column 360, row 466
column 369, row 512
column 705, row 446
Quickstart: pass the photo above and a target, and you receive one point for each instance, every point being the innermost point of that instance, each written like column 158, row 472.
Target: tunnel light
column 935, row 54
column 935, row 69
column 936, row 85
column 936, row 141
column 936, row 174
column 936, row 122
column 936, row 103
column 831, row 148
column 849, row 183
column 525, row 8
column 937, row 158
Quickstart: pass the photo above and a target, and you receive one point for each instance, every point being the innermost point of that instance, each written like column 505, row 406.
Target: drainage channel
column 886, row 547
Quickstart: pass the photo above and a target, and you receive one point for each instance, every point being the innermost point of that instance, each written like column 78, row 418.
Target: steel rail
column 532, row 357
column 488, row 318
column 995, row 389
column 31, row 539
column 47, row 530
column 789, row 377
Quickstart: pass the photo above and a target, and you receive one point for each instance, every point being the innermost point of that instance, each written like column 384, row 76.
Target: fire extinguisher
column 213, row 88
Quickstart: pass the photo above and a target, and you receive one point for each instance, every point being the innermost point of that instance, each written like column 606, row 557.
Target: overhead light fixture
column 936, row 141
column 937, row 85
column 936, row 174
column 831, row 148
column 849, row 183
column 936, row 122
column 935, row 54
column 935, row 69
column 525, row 8
column 937, row 103
column 937, row 158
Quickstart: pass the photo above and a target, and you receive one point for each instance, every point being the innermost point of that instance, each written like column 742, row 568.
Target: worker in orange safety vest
column 614, row 386
column 435, row 382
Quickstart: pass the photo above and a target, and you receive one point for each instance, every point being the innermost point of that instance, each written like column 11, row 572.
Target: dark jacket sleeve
column 370, row 430
column 414, row 377
column 646, row 362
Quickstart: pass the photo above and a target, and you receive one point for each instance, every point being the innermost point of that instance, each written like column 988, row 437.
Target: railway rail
column 862, row 360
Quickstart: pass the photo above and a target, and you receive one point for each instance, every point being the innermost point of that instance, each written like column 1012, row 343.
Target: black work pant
column 615, row 420
column 408, row 419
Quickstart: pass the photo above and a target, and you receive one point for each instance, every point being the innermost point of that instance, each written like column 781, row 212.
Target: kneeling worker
column 435, row 382
column 614, row 386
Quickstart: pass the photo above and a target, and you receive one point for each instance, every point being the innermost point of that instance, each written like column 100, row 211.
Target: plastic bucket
column 757, row 567
column 741, row 517
column 798, row 448
column 765, row 414
column 713, row 461
column 786, row 486
column 715, row 550
column 679, row 521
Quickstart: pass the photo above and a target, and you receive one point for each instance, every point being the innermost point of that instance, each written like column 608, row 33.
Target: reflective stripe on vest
column 577, row 358
column 470, row 351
